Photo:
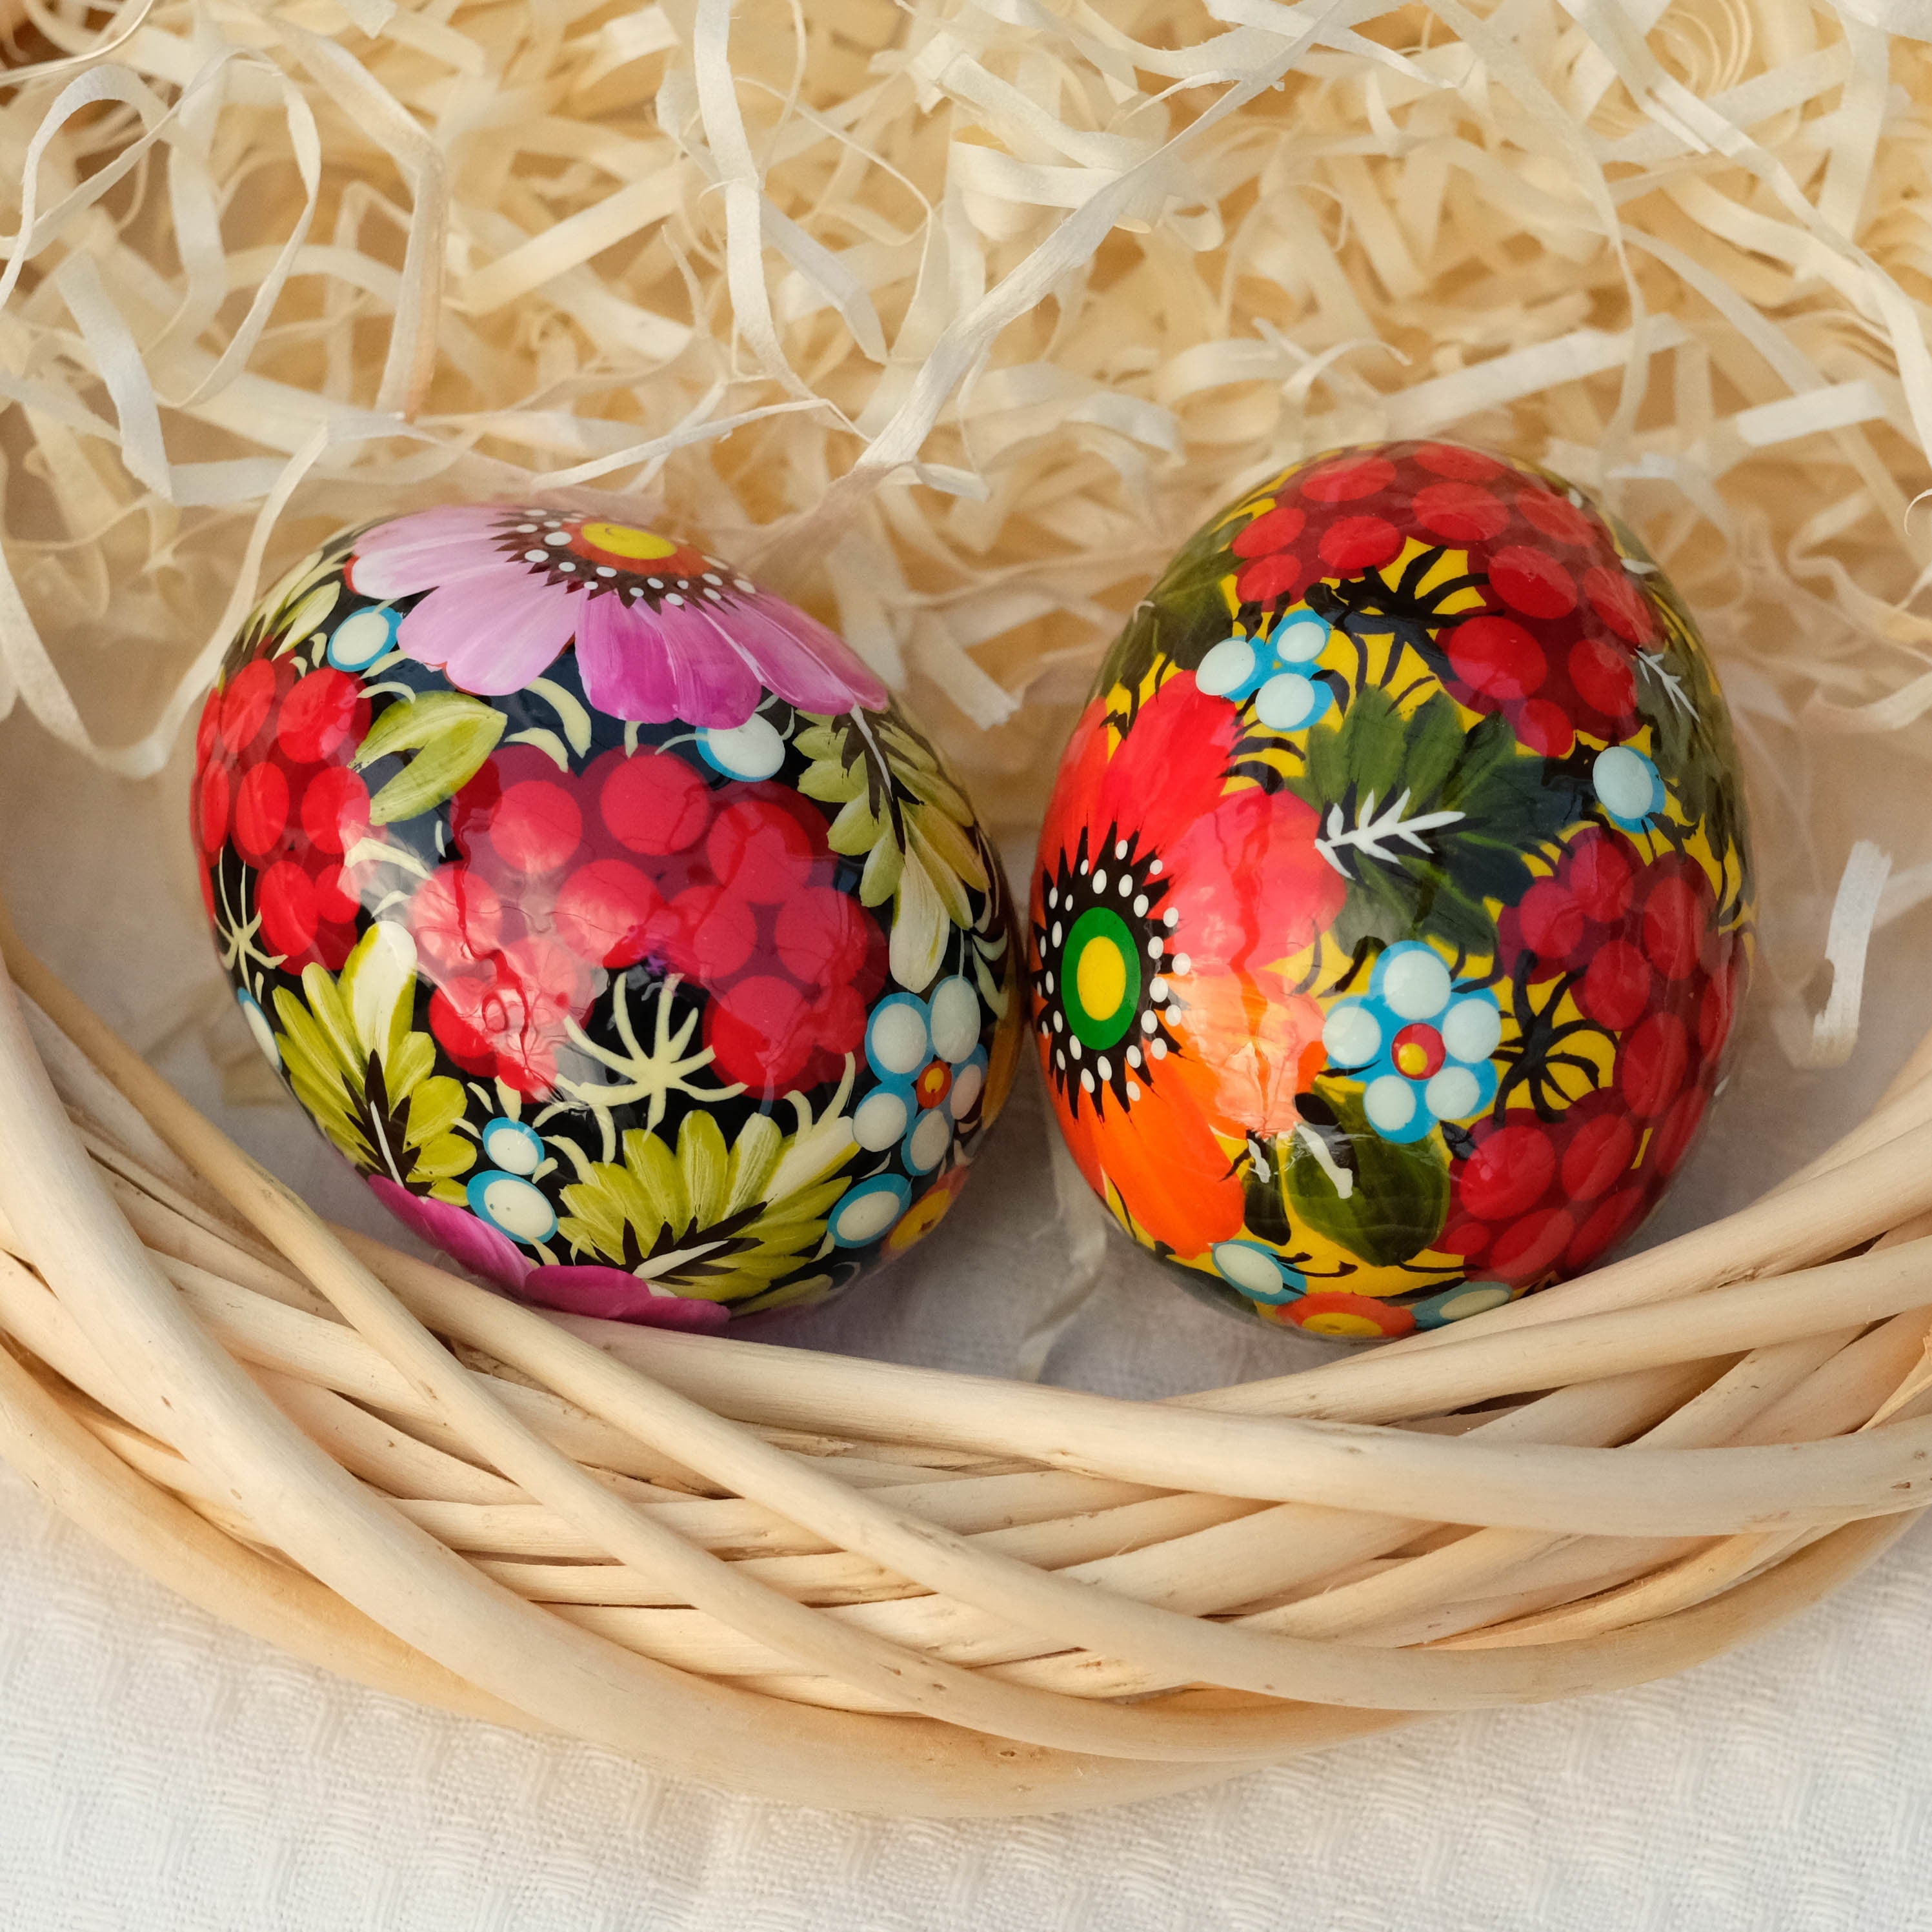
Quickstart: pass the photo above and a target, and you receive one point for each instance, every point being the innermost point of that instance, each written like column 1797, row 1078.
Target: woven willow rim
column 894, row 1590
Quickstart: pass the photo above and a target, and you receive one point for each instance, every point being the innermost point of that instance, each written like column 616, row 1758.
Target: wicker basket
column 868, row 1586
column 899, row 1591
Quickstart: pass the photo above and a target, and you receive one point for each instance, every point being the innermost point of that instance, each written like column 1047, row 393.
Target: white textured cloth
column 158, row 1770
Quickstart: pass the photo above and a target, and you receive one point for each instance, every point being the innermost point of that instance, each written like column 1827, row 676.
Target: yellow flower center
column 624, row 540
column 1411, row 1058
column 1101, row 978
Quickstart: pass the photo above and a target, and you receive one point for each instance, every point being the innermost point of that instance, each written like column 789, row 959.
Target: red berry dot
column 456, row 917
column 204, row 731
column 212, row 804
column 1451, row 459
column 1543, row 727
column 1497, row 656
column 761, row 851
column 1715, row 1013
column 1620, row 604
column 335, row 809
column 1468, row 1238
column 1284, row 575
column 1532, row 581
column 709, row 933
column 1618, row 987
column 759, row 1032
column 604, row 910
column 1673, row 926
column 337, row 901
column 1508, row 1173
column 1652, row 1063
column 1556, row 516
column 320, row 715
column 1347, row 479
column 1460, row 513
column 1601, row 872
column 822, row 936
column 245, row 703
column 1273, row 529
column 1603, row 676
column 1606, row 1224
column 457, row 1027
column 1600, row 1151
column 334, row 944
column 535, row 825
column 1359, row 543
column 655, row 802
column 261, row 812
column 837, row 1020
column 1550, row 920
column 1523, row 1252
column 1677, row 1130
column 285, row 897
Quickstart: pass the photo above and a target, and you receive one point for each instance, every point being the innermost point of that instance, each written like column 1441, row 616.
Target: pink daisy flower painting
column 661, row 631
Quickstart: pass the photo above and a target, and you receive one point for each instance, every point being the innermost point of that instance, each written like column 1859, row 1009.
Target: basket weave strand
column 899, row 1590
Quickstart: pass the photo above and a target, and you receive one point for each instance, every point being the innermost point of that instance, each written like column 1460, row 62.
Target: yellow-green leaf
column 435, row 1107
column 450, row 733
column 833, row 783
column 919, row 929
column 856, row 828
column 944, row 879
column 953, row 845
column 880, row 879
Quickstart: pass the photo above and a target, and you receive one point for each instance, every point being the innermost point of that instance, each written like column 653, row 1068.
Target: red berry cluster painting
column 603, row 911
column 1394, row 904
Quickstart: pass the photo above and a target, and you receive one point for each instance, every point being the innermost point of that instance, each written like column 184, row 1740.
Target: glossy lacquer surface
column 1394, row 906
column 603, row 910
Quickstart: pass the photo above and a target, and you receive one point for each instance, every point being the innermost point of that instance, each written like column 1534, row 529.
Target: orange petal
column 1160, row 1157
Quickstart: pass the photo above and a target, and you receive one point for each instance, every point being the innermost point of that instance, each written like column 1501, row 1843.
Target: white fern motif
column 1652, row 664
column 1370, row 831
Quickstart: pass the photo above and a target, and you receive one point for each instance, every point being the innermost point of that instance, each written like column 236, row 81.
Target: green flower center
column 1101, row 977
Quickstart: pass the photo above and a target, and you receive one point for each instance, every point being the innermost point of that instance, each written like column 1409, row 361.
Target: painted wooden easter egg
column 1394, row 903
column 605, row 911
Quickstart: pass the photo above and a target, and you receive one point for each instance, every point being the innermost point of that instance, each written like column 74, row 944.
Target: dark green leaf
column 1400, row 1195
column 1510, row 801
column 1182, row 618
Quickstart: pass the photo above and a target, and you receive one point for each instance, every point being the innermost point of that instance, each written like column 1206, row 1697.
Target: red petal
column 1168, row 773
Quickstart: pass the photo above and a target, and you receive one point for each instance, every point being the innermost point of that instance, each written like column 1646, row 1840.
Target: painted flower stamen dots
column 1394, row 906
column 601, row 908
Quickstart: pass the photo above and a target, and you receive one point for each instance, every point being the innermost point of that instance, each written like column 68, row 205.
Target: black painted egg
column 605, row 911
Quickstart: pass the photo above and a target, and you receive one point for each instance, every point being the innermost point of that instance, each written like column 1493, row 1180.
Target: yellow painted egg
column 1393, row 907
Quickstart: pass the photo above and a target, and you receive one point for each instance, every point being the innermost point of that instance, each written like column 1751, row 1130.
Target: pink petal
column 418, row 552
column 655, row 665
column 471, row 1243
column 615, row 1296
column 493, row 632
column 624, row 667
column 797, row 657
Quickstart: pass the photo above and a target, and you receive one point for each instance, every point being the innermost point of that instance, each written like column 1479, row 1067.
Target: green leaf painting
column 449, row 734
column 1397, row 1194
column 1427, row 821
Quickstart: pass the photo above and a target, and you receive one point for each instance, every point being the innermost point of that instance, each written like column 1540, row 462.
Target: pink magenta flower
column 590, row 1290
column 661, row 631
column 462, row 1236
